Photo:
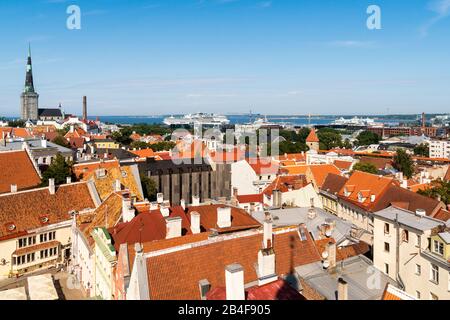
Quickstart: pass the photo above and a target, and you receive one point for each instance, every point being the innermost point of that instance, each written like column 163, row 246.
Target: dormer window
column 438, row 247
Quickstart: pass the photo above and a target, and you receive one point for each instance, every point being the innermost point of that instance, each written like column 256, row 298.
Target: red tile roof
column 443, row 215
column 286, row 183
column 312, row 137
column 17, row 168
column 85, row 169
column 343, row 165
column 263, row 166
column 333, row 183
column 321, row 171
column 277, row 290
column 175, row 275
column 250, row 198
column 77, row 143
column 144, row 153
column 27, row 209
column 368, row 185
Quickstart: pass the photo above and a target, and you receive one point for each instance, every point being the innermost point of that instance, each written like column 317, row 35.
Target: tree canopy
column 59, row 170
column 403, row 162
column 366, row 138
column 365, row 167
column 422, row 150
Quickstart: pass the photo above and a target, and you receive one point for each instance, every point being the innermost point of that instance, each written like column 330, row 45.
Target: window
column 434, row 274
column 418, row 294
column 418, row 269
column 438, row 247
column 417, row 240
column 386, row 268
column 386, row 247
column 52, row 235
column 405, row 236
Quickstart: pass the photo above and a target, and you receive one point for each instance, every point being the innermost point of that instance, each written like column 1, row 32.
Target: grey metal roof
column 365, row 282
column 445, row 236
column 296, row 216
column 408, row 218
column 34, row 144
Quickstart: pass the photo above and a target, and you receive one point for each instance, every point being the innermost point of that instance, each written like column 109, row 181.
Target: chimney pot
column 51, row 186
column 342, row 289
column 173, row 227
column 234, row 280
column 224, row 217
column 195, row 222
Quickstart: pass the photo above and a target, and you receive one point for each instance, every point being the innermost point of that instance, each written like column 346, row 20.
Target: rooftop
column 353, row 270
column 17, row 168
column 408, row 218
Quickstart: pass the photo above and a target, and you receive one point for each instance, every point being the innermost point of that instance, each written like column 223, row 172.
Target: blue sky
column 146, row 57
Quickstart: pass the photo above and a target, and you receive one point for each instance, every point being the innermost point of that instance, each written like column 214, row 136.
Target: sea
column 241, row 119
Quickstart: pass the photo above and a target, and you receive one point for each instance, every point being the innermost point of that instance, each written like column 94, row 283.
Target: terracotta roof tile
column 343, row 165
column 320, row 172
column 175, row 276
column 312, row 137
column 379, row 163
column 286, row 183
column 144, row 153
column 27, row 208
column 17, row 168
column 443, row 215
column 250, row 198
column 333, row 183
column 263, row 166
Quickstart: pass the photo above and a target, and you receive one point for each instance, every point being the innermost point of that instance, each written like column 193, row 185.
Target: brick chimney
column 268, row 234
column 224, row 217
column 331, row 251
column 276, row 198
column 173, row 227
column 51, row 186
column 234, row 281
column 266, row 256
column 13, row 188
column 195, row 222
column 342, row 289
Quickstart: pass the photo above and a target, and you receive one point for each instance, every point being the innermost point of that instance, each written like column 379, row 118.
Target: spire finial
column 29, row 49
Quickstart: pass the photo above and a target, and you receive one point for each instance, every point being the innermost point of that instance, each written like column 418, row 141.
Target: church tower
column 29, row 98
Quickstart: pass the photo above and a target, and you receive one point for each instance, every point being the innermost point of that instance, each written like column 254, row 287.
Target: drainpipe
column 397, row 254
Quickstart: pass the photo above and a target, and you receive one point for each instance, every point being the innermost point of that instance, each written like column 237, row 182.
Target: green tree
column 403, row 162
column 347, row 144
column 163, row 146
column 17, row 123
column 365, row 167
column 59, row 170
column 366, row 138
column 440, row 190
column 422, row 150
column 60, row 140
column 149, row 187
column 329, row 138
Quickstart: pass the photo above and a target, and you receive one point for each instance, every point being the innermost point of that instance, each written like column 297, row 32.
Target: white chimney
column 183, row 204
column 195, row 222
column 234, row 281
column 69, row 180
column 154, row 206
column 13, row 188
column 128, row 212
column 331, row 251
column 404, row 184
column 51, row 185
column 195, row 201
column 44, row 143
column 173, row 227
column 421, row 212
column 117, row 186
column 268, row 236
column 342, row 289
column 160, row 198
column 266, row 266
column 224, row 217
column 372, row 198
column 165, row 211
column 72, row 128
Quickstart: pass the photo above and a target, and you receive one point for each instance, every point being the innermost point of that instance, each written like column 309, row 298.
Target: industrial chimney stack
column 85, row 108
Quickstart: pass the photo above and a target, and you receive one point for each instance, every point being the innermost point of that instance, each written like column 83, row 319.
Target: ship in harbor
column 355, row 121
column 205, row 119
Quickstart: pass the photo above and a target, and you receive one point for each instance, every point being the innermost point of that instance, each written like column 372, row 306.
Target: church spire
column 29, row 85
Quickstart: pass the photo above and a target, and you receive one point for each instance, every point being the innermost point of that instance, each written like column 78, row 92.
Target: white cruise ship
column 206, row 119
column 355, row 121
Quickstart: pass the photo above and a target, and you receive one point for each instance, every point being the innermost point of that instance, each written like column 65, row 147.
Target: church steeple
column 29, row 85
